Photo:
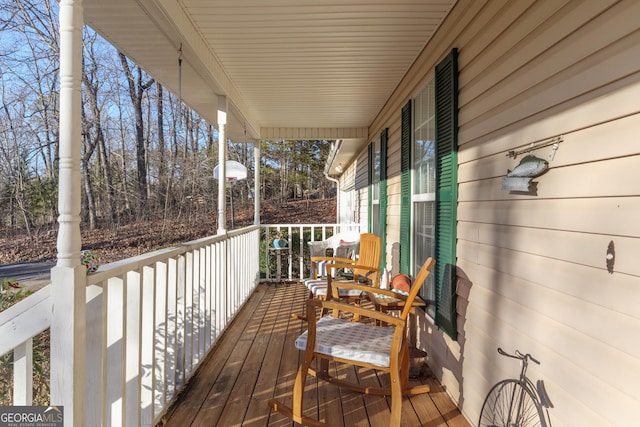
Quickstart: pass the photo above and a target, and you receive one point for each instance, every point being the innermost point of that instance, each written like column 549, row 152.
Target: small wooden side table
column 385, row 304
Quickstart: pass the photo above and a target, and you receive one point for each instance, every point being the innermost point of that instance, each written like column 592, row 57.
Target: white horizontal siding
column 532, row 267
column 537, row 261
column 569, row 66
column 594, row 149
column 571, row 338
column 577, row 248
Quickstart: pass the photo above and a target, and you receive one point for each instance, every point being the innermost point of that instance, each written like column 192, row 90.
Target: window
column 423, row 186
column 375, row 185
column 428, row 164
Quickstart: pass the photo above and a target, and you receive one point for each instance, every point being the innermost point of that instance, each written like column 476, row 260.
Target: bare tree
column 39, row 24
column 14, row 165
column 136, row 91
column 125, row 126
column 88, row 148
column 94, row 135
column 29, row 55
column 163, row 178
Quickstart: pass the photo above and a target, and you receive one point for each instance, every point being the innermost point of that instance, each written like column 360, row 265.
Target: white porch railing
column 18, row 325
column 152, row 318
column 293, row 262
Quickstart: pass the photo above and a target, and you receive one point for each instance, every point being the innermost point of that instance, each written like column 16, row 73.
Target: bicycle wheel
column 511, row 404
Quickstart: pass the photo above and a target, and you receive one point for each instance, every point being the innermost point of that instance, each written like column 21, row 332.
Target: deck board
column 255, row 360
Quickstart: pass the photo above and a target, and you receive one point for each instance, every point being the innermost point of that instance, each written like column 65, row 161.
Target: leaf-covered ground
column 127, row 240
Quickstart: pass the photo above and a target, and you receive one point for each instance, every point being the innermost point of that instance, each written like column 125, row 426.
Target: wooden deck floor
column 256, row 360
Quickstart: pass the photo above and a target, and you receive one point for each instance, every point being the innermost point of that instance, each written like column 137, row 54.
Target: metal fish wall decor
column 530, row 166
column 519, row 179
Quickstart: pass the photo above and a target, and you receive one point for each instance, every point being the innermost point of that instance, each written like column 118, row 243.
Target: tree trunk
column 89, row 211
column 123, row 161
column 111, row 212
column 162, row 165
column 88, row 147
column 136, row 92
column 92, row 87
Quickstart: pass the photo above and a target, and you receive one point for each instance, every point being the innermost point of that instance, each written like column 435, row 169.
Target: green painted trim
column 383, row 196
column 370, row 187
column 405, row 190
column 447, row 191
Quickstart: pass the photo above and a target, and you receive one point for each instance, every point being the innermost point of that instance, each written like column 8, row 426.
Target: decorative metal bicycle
column 516, row 402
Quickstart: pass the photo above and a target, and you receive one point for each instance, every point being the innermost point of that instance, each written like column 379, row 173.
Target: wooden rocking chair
column 366, row 267
column 369, row 345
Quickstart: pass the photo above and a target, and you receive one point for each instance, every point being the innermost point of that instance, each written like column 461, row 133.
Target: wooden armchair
column 370, row 345
column 366, row 266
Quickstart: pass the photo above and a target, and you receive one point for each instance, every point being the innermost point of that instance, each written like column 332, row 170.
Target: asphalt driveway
column 31, row 275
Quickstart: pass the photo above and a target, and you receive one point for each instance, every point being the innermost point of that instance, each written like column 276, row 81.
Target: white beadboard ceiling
column 288, row 68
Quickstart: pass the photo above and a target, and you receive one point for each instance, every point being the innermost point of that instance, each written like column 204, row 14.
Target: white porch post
column 222, row 166
column 68, row 277
column 256, row 183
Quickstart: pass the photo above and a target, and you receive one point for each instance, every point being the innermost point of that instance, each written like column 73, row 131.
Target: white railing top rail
column 118, row 268
column 325, row 225
column 317, row 225
column 25, row 319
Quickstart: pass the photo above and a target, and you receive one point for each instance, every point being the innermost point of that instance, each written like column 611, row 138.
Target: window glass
column 347, row 211
column 375, row 218
column 423, row 186
column 376, row 170
column 424, row 142
column 375, row 187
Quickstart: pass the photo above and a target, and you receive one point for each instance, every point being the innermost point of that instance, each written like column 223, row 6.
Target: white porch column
column 222, row 165
column 68, row 277
column 256, row 183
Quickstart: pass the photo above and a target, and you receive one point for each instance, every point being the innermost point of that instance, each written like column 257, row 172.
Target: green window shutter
column 370, row 187
column 383, row 196
column 446, row 81
column 405, row 191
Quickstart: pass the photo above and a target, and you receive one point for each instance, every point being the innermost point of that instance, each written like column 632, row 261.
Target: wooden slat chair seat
column 342, row 338
column 370, row 345
column 319, row 288
column 366, row 265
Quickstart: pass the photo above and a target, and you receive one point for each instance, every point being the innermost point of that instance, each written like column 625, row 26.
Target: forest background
column 147, row 158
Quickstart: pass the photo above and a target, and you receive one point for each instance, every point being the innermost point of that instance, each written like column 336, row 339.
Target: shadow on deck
column 256, row 360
